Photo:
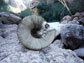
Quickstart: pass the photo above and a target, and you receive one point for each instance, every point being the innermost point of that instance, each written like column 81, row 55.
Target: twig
column 65, row 5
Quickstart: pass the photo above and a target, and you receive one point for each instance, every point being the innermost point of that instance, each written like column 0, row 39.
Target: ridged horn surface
column 25, row 28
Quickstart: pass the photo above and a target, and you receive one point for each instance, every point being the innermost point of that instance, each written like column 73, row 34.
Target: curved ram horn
column 27, row 33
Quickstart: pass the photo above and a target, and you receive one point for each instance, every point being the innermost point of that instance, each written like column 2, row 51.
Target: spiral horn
column 27, row 33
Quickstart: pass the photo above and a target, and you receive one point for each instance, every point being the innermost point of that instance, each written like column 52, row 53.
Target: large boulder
column 73, row 36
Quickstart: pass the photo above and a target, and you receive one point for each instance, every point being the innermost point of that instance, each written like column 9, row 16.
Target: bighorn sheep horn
column 28, row 36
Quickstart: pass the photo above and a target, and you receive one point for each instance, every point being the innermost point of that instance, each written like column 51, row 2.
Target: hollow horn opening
column 34, row 33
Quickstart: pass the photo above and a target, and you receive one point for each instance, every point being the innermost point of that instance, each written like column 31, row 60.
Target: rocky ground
column 12, row 51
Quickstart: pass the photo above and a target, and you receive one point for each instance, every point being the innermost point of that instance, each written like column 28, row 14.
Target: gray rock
column 11, row 51
column 73, row 22
column 77, row 14
column 80, row 52
column 1, row 25
column 1, row 28
column 78, row 18
column 66, row 19
column 81, row 21
column 73, row 36
column 58, row 43
column 82, row 13
column 9, row 18
column 75, row 18
column 1, row 32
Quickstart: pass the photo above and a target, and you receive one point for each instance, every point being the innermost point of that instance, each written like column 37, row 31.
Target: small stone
column 80, row 52
column 77, row 14
column 73, row 22
column 75, row 18
column 82, row 13
column 66, row 19
column 81, row 21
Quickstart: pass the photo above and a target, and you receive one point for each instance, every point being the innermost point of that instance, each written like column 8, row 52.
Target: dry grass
column 65, row 5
